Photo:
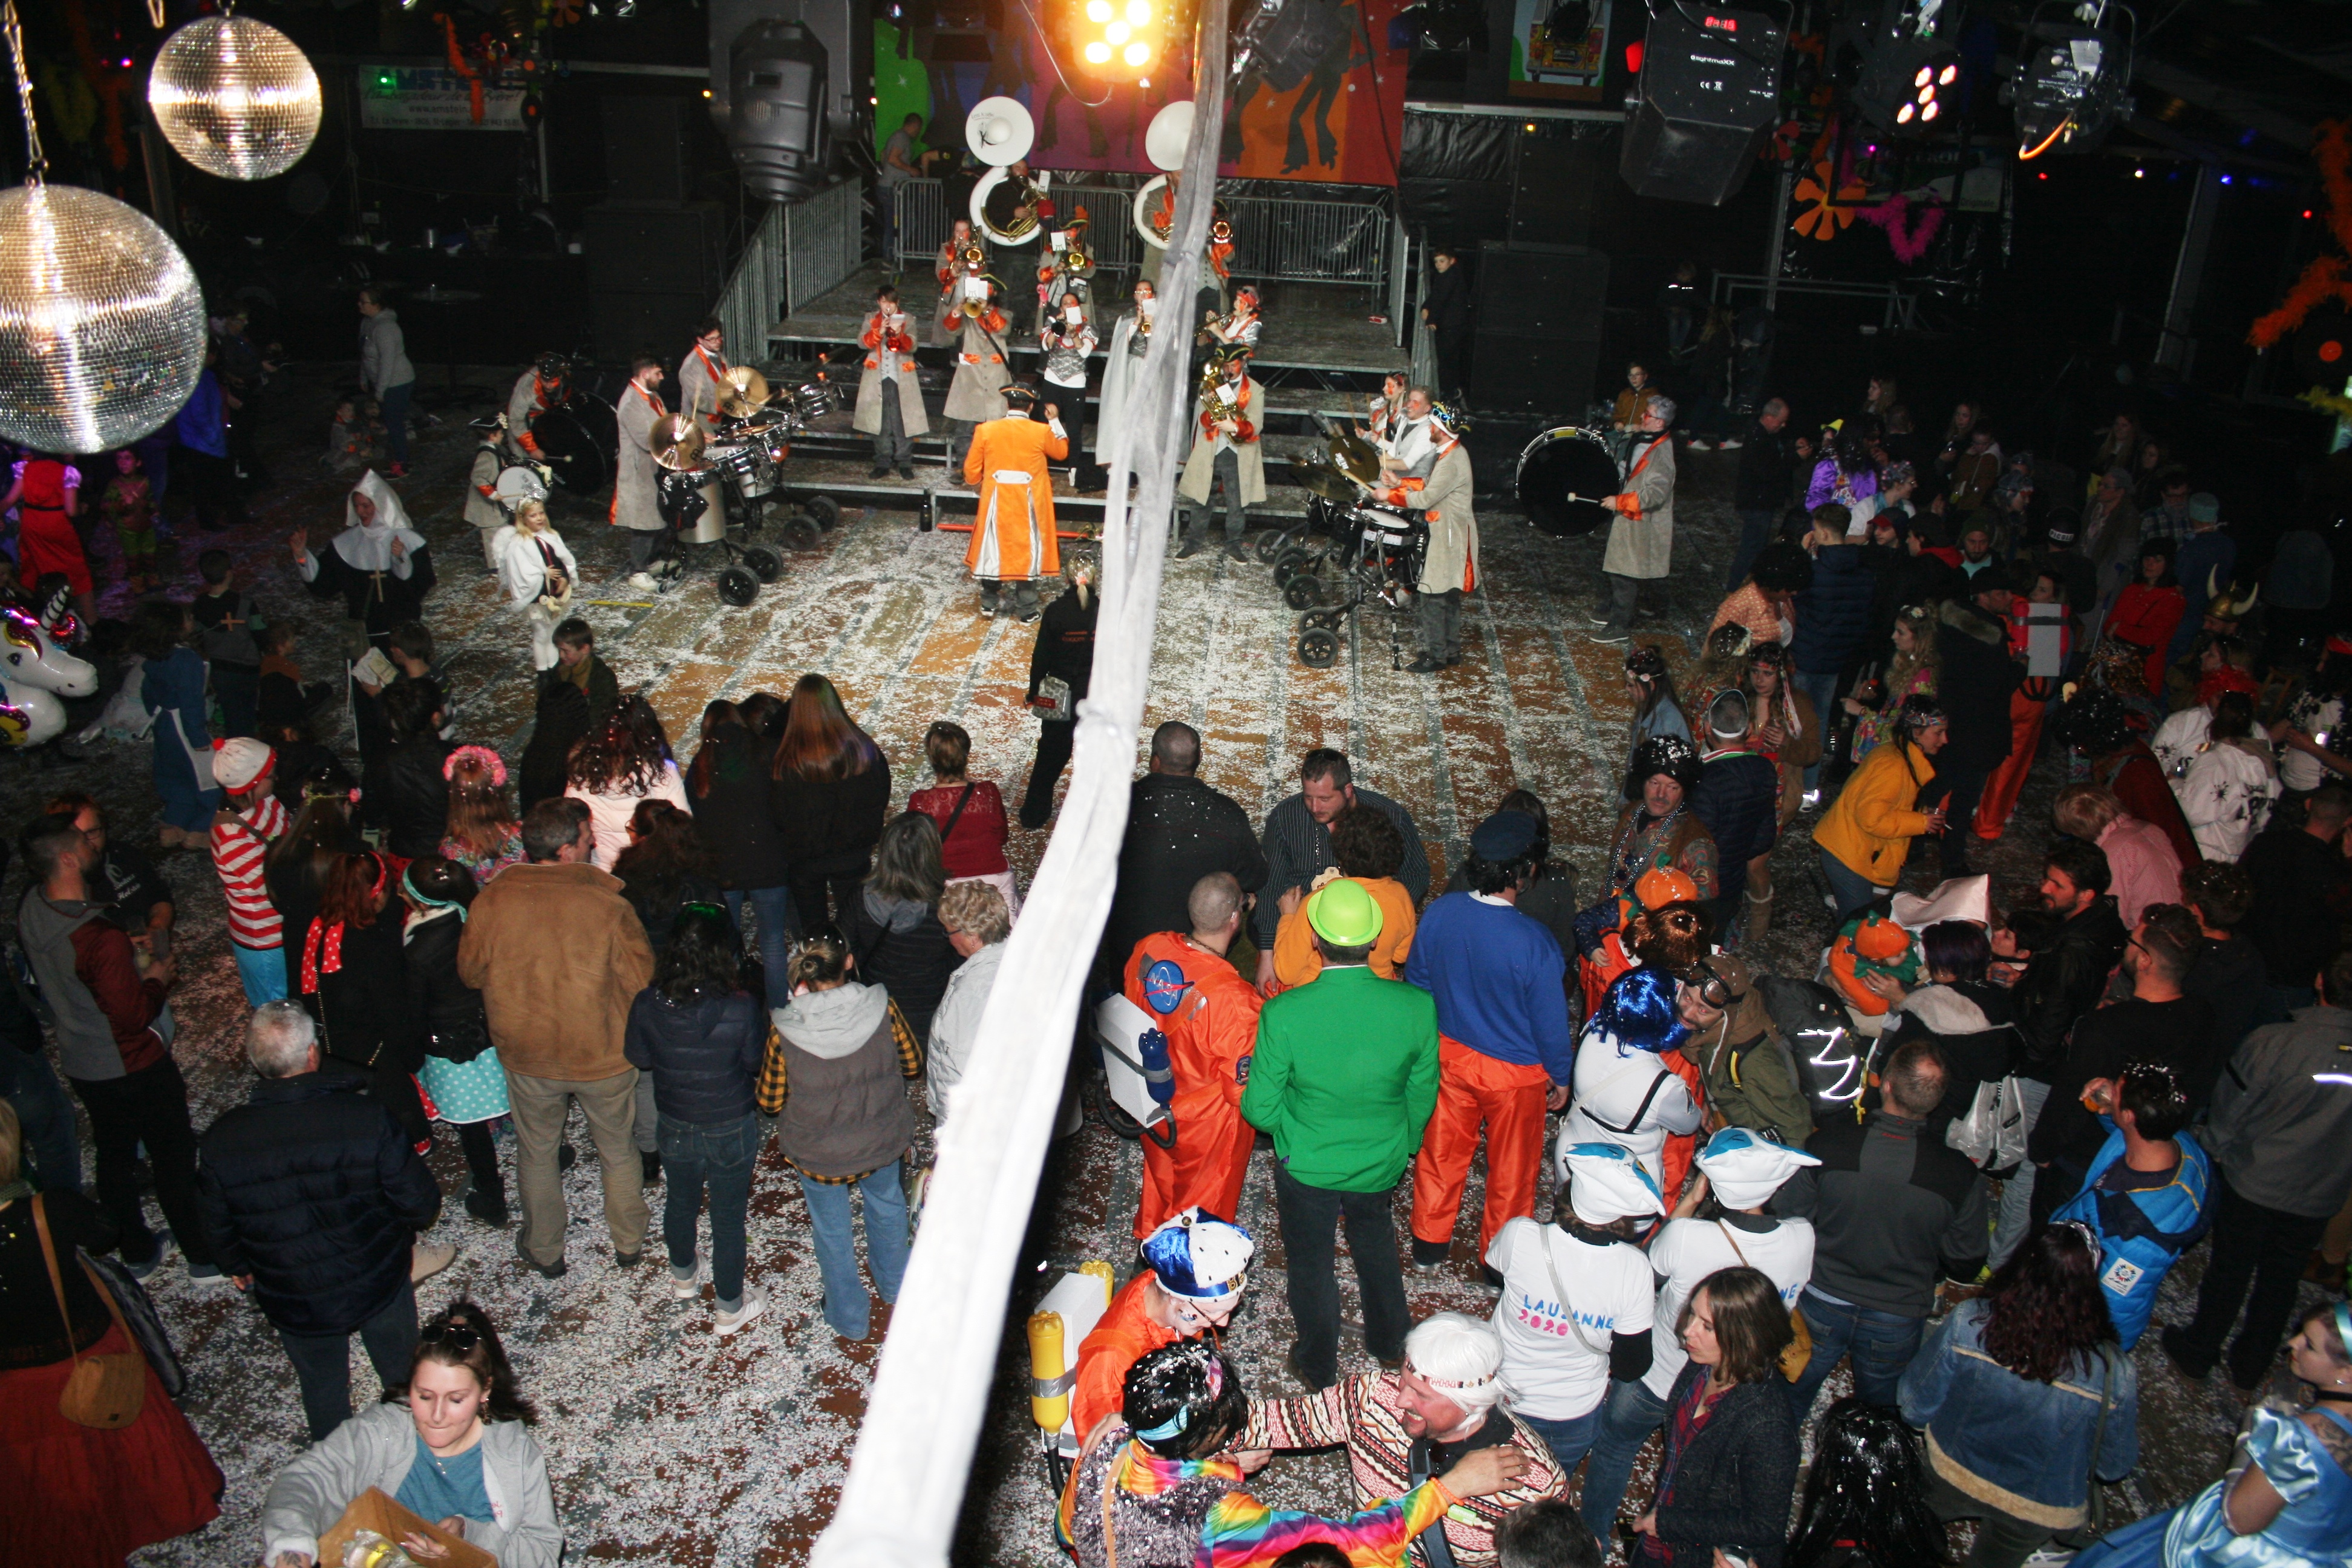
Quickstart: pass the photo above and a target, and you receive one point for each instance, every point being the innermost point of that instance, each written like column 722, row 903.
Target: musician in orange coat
column 1209, row 1014
column 1013, row 538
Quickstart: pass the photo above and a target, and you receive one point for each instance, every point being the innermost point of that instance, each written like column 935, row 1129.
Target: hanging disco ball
column 101, row 321
column 235, row 97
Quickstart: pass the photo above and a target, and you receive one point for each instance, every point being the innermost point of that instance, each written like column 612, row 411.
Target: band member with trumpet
column 1225, row 453
column 960, row 241
column 1642, row 535
column 636, row 504
column 702, row 376
column 1012, row 539
column 1069, row 268
column 972, row 313
column 536, row 390
column 1449, row 569
column 1130, row 339
column 1068, row 341
column 1239, row 326
column 889, row 401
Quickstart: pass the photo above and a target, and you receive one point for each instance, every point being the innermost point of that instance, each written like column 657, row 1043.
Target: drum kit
column 703, row 479
column 1351, row 549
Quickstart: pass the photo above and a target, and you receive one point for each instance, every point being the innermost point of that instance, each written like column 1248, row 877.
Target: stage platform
column 1320, row 333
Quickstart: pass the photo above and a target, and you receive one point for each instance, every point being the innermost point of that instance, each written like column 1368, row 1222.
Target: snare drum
column 1387, row 527
column 1564, row 463
column 749, row 472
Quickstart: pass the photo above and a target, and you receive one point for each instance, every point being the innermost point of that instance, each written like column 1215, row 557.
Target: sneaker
column 629, row 1260
column 429, row 1258
column 1702, row 445
column 1811, row 799
column 643, row 581
column 1609, row 635
column 1429, row 1257
column 1188, row 548
column 140, row 1270
column 690, row 1288
column 1424, row 665
column 906, row 470
column 755, row 1301
column 2048, row 1557
column 1731, row 443
column 490, row 1208
column 1599, row 620
column 207, row 1274
column 879, row 471
column 1238, row 549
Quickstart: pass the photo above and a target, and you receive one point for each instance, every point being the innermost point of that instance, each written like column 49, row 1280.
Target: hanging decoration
column 1834, row 204
column 102, row 320
column 235, row 97
column 2328, row 278
column 1909, row 244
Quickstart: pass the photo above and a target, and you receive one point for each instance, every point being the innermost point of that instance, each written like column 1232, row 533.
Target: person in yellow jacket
column 1013, row 538
column 1865, row 835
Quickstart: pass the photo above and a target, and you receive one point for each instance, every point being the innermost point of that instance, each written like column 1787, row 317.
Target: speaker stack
column 1539, row 320
column 657, row 261
column 1710, row 94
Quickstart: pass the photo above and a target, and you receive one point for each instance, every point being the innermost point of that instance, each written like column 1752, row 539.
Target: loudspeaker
column 1555, row 376
column 1551, row 191
column 660, row 324
column 645, row 149
column 1542, row 293
column 652, row 273
column 1710, row 94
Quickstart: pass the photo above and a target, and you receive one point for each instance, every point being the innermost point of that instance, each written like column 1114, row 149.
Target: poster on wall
column 1566, row 68
column 408, row 96
column 1330, row 108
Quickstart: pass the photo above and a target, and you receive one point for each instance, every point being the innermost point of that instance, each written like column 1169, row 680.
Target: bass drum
column 579, row 440
column 1560, row 464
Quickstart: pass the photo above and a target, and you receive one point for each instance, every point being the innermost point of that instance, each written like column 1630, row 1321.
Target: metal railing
column 1399, row 276
column 796, row 253
column 1304, row 241
column 1900, row 301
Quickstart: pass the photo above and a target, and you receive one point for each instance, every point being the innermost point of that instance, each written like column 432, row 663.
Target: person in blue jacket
column 1833, row 615
column 2145, row 1199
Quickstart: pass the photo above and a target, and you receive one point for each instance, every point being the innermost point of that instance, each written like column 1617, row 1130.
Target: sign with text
column 413, row 96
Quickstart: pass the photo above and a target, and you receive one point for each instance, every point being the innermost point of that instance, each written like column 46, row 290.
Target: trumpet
column 1214, row 328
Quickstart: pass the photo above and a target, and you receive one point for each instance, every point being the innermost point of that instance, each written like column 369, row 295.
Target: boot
column 653, row 1166
column 1759, row 918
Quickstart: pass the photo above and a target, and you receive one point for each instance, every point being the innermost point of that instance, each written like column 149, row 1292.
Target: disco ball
column 101, row 321
column 235, row 97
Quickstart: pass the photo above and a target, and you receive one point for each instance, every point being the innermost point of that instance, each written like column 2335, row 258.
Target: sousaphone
column 999, row 134
column 1163, row 143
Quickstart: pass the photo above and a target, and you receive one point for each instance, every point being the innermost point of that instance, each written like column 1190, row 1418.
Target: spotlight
column 1901, row 80
column 1117, row 38
column 1284, row 42
column 776, row 98
column 2074, row 79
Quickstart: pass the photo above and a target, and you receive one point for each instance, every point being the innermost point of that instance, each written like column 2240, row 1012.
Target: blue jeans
column 1883, row 1345
column 846, row 1310
column 1569, row 1439
column 1849, row 888
column 394, row 402
column 45, row 1116
column 1756, row 524
column 1628, row 1417
column 263, row 969
column 721, row 1153
column 779, row 923
column 1821, row 686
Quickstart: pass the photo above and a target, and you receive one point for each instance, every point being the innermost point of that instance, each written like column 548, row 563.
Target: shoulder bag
column 106, row 1391
column 1799, row 1354
column 146, row 1325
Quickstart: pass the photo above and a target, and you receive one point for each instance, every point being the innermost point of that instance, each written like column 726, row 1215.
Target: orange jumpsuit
column 1210, row 1036
column 1508, row 1097
column 1125, row 1335
column 1013, row 537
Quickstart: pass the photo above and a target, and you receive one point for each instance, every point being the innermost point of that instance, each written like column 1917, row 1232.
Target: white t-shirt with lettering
column 1555, row 1352
column 1687, row 1251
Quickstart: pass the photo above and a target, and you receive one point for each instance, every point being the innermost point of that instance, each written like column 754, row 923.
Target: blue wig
column 1639, row 1010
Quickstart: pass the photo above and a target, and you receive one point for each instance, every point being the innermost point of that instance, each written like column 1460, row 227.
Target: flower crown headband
column 488, row 758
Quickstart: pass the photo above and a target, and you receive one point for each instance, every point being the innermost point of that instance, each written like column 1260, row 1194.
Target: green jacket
column 1344, row 1077
column 1754, row 1085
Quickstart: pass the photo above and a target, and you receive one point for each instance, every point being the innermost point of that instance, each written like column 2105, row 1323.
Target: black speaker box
column 1543, row 293
column 645, row 150
column 661, row 324
column 1710, row 94
column 1556, row 375
column 1551, row 191
column 656, row 249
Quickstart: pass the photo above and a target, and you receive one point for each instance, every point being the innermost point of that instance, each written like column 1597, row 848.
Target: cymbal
column 747, row 390
column 677, row 442
column 1353, row 455
column 1324, row 480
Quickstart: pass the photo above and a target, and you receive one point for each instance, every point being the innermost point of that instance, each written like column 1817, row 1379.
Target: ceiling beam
column 2240, row 108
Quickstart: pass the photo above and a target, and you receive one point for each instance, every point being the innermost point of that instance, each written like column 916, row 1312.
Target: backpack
column 1830, row 1058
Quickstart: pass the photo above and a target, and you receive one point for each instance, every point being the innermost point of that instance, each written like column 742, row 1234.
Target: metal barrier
column 753, row 300
column 1901, row 303
column 797, row 252
column 1400, row 274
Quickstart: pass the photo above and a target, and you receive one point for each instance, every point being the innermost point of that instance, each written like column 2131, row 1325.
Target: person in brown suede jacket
column 557, row 955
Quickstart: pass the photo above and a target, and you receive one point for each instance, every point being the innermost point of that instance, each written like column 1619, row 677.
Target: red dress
column 45, row 540
column 2146, row 617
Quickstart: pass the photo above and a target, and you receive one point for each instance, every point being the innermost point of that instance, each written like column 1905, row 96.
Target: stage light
column 2074, row 78
column 1113, row 38
column 234, row 98
column 776, row 102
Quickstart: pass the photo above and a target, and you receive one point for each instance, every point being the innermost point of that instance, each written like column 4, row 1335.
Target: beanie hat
column 2204, row 507
column 1606, row 1183
column 1344, row 914
column 1504, row 837
column 1199, row 1256
column 1744, row 1169
column 236, row 763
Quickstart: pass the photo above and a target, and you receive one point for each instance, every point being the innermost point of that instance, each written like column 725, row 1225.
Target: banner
column 396, row 96
column 1562, row 70
column 1328, row 106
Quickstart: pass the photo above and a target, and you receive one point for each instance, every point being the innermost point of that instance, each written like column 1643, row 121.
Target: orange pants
column 1508, row 1098
column 1206, row 1167
column 1681, row 1148
column 2000, row 791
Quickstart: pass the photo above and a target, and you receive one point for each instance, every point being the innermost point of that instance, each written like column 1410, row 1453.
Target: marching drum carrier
column 1564, row 477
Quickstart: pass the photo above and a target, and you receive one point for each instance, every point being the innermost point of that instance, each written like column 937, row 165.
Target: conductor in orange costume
column 1209, row 1014
column 1195, row 1269
column 1012, row 539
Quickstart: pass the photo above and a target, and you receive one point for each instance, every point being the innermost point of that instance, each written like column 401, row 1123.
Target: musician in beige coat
column 889, row 400
column 977, row 393
column 1225, row 452
column 1642, row 536
column 637, row 502
column 1450, row 568
column 700, row 382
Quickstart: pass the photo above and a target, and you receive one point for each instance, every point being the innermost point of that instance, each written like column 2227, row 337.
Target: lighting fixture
column 102, row 320
column 1908, row 83
column 1117, row 37
column 235, row 97
column 2075, row 76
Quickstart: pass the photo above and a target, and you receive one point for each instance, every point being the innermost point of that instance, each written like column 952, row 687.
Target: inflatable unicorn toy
column 35, row 675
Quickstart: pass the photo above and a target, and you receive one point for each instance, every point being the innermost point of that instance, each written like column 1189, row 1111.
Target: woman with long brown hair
column 353, row 976
column 625, row 760
column 727, row 789
column 482, row 835
column 830, row 789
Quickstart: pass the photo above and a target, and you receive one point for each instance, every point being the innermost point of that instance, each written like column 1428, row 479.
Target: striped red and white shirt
column 238, row 848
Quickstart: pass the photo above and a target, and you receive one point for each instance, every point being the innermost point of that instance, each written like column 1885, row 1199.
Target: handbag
column 106, row 1391
column 146, row 1325
column 1799, row 1353
column 1054, row 701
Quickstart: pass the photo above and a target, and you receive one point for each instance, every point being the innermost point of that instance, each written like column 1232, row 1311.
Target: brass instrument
column 1214, row 328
